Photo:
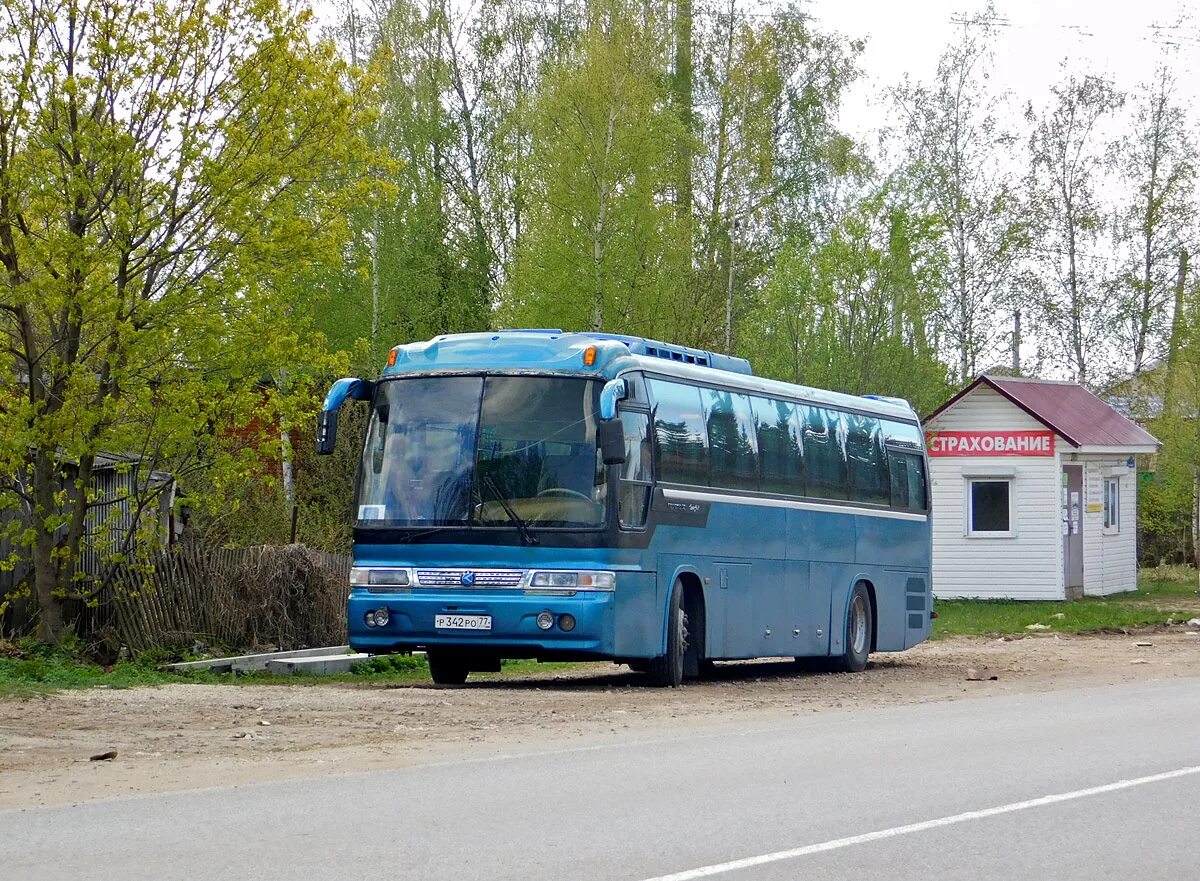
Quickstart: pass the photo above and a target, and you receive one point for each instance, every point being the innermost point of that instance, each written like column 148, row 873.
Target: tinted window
column 635, row 384
column 731, row 443
column 633, row 497
column 637, row 446
column 824, row 453
column 903, row 434
column 867, row 460
column 680, row 433
column 777, row 426
column 989, row 505
column 907, row 480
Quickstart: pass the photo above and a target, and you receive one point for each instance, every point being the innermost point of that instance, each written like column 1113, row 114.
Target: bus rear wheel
column 666, row 671
column 447, row 668
column 856, row 639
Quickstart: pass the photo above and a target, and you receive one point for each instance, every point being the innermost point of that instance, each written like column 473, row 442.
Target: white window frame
column 1111, row 523
column 968, row 481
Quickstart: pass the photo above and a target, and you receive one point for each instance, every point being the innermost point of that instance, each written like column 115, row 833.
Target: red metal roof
column 1065, row 407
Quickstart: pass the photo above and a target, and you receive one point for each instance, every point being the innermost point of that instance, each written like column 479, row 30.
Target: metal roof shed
column 1034, row 491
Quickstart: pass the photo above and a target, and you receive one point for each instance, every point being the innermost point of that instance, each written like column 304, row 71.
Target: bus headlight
column 571, row 579
column 363, row 577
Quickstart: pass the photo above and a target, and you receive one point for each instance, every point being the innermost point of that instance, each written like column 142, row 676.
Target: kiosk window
column 1112, row 504
column 988, row 507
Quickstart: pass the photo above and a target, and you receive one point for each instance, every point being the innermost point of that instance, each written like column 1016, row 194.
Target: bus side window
column 633, row 498
column 868, row 462
column 898, row 469
column 680, row 433
column 732, row 445
column 825, row 453
column 636, row 385
column 907, row 480
column 779, row 449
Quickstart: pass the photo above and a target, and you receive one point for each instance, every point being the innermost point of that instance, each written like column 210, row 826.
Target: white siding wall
column 1109, row 561
column 1026, row 566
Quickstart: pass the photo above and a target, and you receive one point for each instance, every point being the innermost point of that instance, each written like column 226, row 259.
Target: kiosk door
column 1072, row 529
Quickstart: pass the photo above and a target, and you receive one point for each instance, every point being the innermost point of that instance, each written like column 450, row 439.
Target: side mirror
column 614, row 390
column 351, row 387
column 611, row 435
column 326, row 432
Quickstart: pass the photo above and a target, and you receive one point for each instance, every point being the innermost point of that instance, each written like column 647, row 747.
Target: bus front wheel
column 667, row 670
column 856, row 639
column 447, row 668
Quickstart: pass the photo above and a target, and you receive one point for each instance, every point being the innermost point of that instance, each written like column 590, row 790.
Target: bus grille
column 483, row 578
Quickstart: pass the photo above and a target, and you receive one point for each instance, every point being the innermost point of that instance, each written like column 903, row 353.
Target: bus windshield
column 475, row 451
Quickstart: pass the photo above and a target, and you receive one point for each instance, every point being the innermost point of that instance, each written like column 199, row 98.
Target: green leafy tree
column 768, row 87
column 846, row 312
column 167, row 174
column 602, row 247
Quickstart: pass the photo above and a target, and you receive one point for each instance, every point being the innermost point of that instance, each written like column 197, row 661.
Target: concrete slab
column 248, row 663
column 322, row 666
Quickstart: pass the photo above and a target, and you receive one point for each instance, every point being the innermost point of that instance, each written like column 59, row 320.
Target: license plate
column 462, row 622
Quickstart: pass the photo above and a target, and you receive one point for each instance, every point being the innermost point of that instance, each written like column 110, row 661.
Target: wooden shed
column 1034, row 492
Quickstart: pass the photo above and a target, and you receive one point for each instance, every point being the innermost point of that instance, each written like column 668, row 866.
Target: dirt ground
column 192, row 736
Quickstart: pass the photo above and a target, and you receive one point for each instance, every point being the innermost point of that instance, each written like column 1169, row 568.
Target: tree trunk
column 729, row 292
column 46, row 579
column 682, row 89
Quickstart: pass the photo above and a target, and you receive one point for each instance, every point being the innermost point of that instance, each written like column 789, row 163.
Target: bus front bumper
column 513, row 618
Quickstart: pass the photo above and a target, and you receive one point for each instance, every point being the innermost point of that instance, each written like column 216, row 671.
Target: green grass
column 28, row 669
column 1163, row 595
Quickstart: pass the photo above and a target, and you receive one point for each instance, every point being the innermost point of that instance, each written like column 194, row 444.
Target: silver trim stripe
column 728, row 499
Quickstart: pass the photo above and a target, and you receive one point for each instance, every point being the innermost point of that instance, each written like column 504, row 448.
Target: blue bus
column 570, row 496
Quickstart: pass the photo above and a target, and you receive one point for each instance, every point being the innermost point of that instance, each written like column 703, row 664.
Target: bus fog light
column 370, row 619
column 545, row 620
column 382, row 617
column 566, row 622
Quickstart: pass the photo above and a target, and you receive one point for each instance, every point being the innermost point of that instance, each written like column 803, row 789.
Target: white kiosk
column 1034, row 492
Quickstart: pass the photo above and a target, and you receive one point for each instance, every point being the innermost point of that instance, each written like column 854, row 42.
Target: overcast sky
column 1116, row 39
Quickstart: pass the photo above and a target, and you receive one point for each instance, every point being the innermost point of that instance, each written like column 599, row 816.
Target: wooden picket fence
column 238, row 598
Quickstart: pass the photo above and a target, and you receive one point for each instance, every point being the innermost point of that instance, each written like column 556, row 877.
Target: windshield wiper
column 421, row 533
column 527, row 537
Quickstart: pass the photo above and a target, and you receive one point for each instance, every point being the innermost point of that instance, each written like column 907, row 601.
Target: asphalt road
column 945, row 790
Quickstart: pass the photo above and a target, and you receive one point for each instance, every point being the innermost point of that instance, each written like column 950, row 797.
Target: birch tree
column 955, row 147
column 602, row 246
column 1067, row 157
column 1158, row 159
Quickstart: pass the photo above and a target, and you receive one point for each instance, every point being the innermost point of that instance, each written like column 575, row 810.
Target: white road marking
column 923, row 826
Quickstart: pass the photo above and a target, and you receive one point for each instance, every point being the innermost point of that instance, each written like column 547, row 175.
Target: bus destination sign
column 990, row 443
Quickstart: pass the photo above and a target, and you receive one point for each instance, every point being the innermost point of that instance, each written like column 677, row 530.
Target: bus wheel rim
column 858, row 625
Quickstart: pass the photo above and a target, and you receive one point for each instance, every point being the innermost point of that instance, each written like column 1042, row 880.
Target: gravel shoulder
column 186, row 736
